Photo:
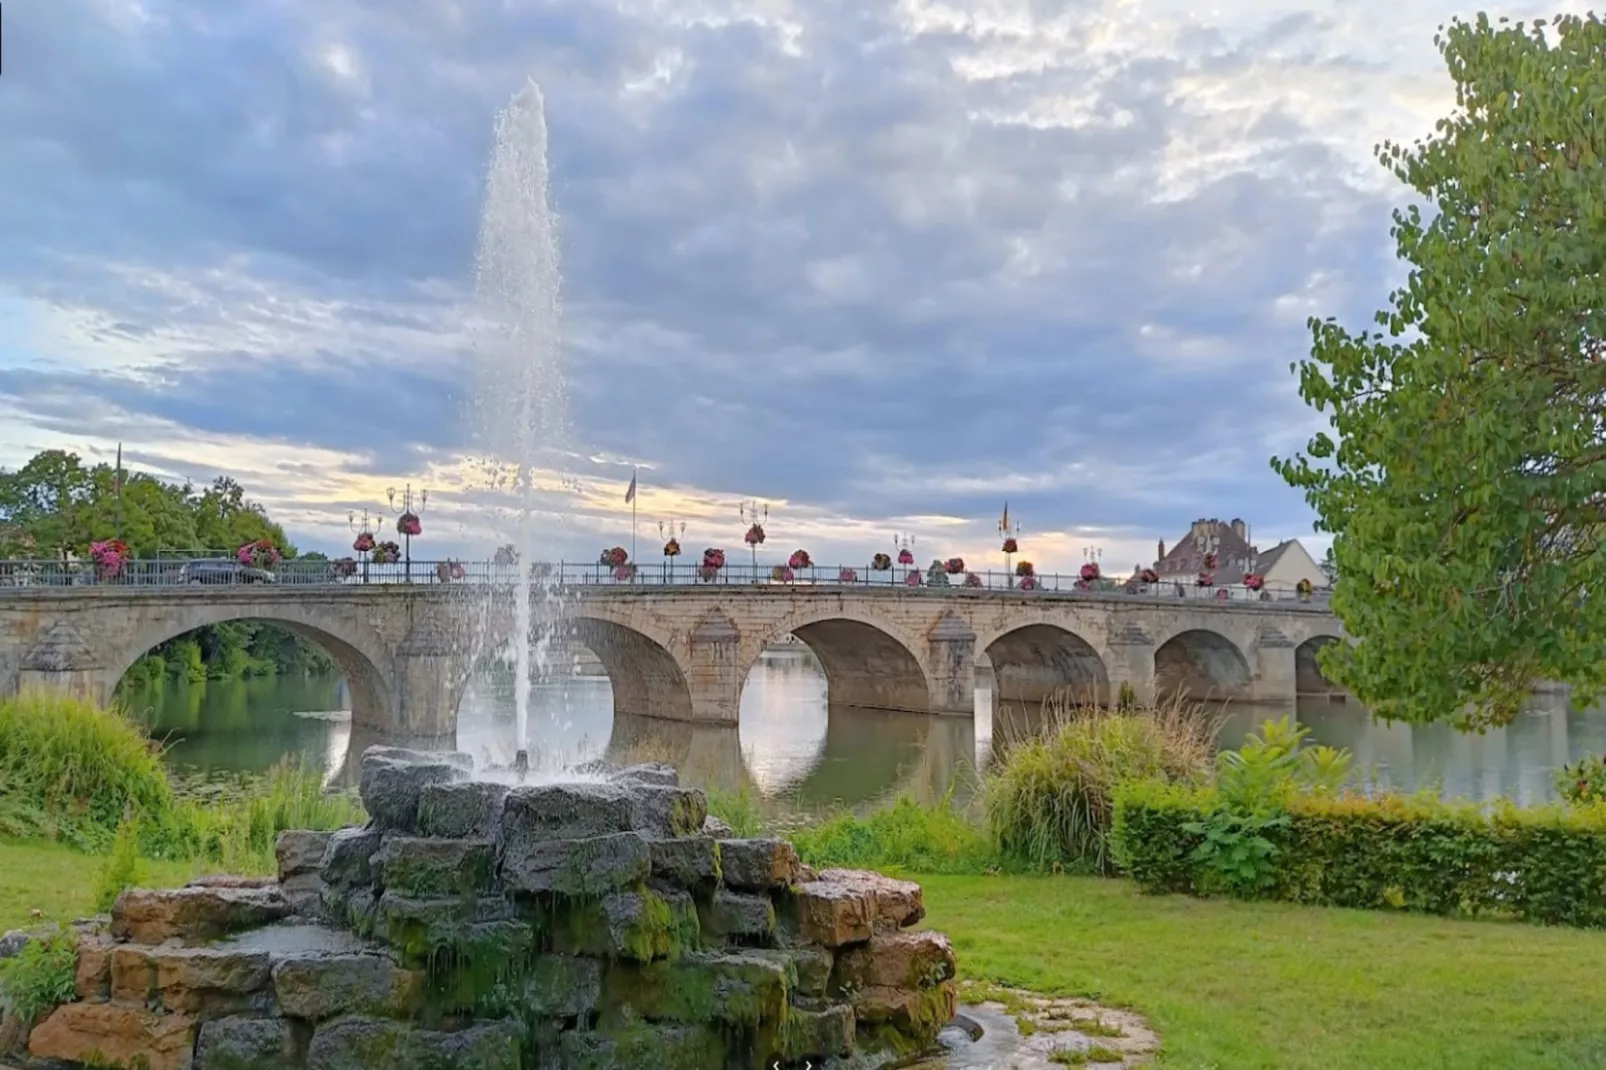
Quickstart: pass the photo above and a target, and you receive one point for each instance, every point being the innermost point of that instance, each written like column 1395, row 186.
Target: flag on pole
column 1003, row 525
column 630, row 495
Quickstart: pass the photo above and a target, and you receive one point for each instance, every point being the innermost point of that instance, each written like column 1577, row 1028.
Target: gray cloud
column 876, row 268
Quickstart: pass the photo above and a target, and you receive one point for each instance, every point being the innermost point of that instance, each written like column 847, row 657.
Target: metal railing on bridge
column 172, row 571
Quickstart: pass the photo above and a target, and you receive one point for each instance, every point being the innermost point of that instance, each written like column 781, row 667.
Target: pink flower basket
column 972, row 580
column 847, row 575
column 914, row 579
column 799, row 559
column 408, row 524
column 1090, row 572
column 905, row 557
column 954, row 566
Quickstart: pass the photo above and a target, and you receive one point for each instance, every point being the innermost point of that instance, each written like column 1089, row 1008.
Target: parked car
column 222, row 570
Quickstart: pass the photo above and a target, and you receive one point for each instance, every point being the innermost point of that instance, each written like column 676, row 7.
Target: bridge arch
column 1201, row 664
column 1035, row 660
column 1308, row 676
column 647, row 679
column 865, row 663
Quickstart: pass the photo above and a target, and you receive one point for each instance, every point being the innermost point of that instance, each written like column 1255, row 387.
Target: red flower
column 1206, row 579
column 755, row 535
column 905, row 557
column 364, row 542
column 799, row 559
column 847, row 575
column 972, row 580
column 1090, row 571
column 713, row 559
column 1254, row 582
column 1011, row 546
column 782, row 574
column 914, row 579
column 409, row 524
column 954, row 566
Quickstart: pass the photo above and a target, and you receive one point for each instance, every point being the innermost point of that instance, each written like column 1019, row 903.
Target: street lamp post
column 1009, row 529
column 666, row 532
column 754, row 514
column 365, row 528
column 408, row 525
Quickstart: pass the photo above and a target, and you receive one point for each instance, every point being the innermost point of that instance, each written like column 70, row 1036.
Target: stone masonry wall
column 475, row 926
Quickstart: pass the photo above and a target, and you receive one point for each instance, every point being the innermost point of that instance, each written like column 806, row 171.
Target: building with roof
column 1234, row 556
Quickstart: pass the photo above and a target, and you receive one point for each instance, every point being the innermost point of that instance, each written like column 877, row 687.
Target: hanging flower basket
column 1090, row 571
column 259, row 554
column 386, row 553
column 972, row 580
column 914, row 579
column 614, row 558
column 954, row 566
column 847, row 575
column 1206, row 579
column 1011, row 546
column 1254, row 582
column 672, row 548
column 1222, row 594
column 505, row 556
column 1210, row 561
column 1024, row 568
column 800, row 559
column 782, row 574
column 1304, row 588
column 1148, row 575
column 714, row 559
column 449, row 571
column 880, row 563
column 1029, row 583
column 906, row 557
column 408, row 524
column 109, row 556
column 1083, row 585
column 364, row 543
column 708, row 574
column 343, row 568
column 754, row 536
column 624, row 573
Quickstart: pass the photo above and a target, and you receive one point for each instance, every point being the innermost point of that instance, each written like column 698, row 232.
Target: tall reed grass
column 1049, row 793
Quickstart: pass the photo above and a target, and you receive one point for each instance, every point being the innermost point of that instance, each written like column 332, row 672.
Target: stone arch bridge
column 683, row 653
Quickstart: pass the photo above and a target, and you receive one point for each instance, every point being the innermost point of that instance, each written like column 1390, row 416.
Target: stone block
column 738, row 916
column 760, row 865
column 545, row 813
column 421, row 928
column 735, row 988
column 639, row 1044
column 811, row 966
column 689, row 861
column 461, row 759
column 390, row 788
column 638, row 925
column 469, row 809
column 194, row 914
column 207, row 983
column 230, row 880
column 132, row 974
column 718, row 828
column 115, row 1035
column 817, row 1035
column 347, row 859
column 246, row 1044
column 895, row 904
column 648, row 773
column 561, row 986
column 918, row 1015
column 299, row 851
column 896, row 960
column 584, row 868
column 428, row 868
column 368, row 1043
column 93, row 975
column 662, row 810
column 318, row 987
column 356, row 909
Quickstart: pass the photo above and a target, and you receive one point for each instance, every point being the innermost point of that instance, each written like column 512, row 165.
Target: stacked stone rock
column 583, row 926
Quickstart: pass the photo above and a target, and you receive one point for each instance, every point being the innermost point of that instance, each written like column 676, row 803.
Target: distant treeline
column 55, row 506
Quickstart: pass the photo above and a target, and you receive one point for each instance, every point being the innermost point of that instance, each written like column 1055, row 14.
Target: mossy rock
column 639, row 1044
column 636, row 926
column 434, row 868
column 734, row 988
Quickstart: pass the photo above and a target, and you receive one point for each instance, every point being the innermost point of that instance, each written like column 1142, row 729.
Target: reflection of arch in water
column 867, row 755
column 1308, row 676
column 706, row 755
column 783, row 719
column 1203, row 665
column 1034, row 661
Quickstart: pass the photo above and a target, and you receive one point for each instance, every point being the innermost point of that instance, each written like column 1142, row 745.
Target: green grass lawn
column 1273, row 987
column 60, row 882
column 1227, row 985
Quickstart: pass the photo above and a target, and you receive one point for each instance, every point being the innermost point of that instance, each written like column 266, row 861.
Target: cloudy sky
column 883, row 265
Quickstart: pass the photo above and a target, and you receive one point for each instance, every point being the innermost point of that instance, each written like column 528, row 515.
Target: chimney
column 1240, row 530
column 1162, row 554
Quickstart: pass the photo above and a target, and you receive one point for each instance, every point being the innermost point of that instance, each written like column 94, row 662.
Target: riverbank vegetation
column 86, row 777
column 55, row 506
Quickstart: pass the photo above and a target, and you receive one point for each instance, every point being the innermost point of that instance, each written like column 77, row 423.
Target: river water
column 801, row 756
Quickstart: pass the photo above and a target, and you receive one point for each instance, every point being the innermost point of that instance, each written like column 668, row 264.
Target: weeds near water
column 123, row 868
column 1049, row 795
column 41, row 975
column 739, row 809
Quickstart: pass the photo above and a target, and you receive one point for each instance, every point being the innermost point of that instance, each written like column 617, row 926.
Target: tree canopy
column 55, row 505
column 1465, row 481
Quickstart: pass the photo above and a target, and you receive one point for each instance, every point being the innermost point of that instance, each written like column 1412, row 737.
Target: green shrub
column 905, row 836
column 1584, row 781
column 1417, row 853
column 240, row 834
column 40, row 976
column 70, row 770
column 122, row 869
column 1049, row 798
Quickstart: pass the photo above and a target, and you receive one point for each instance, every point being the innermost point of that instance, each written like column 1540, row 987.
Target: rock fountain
column 473, row 925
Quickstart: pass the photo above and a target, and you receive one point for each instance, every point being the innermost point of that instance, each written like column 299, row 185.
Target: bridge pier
column 952, row 667
column 1129, row 660
column 1275, row 680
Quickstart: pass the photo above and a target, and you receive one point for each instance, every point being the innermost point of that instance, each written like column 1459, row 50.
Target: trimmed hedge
column 1542, row 864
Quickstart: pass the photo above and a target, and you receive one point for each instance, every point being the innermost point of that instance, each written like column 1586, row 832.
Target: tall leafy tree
column 1465, row 478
